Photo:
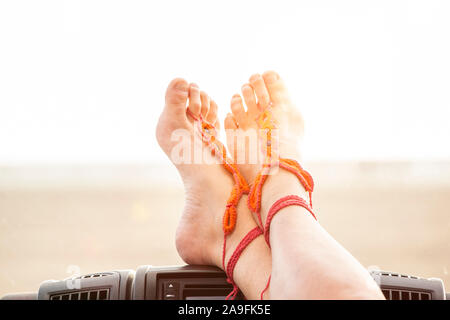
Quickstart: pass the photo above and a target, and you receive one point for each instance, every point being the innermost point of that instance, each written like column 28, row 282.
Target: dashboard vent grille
column 95, row 275
column 394, row 294
column 102, row 294
column 390, row 274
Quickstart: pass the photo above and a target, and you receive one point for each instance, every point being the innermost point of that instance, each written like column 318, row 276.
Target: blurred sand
column 394, row 216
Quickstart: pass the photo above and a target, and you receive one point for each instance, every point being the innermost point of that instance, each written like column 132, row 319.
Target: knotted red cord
column 252, row 235
column 265, row 289
column 266, row 122
column 240, row 187
column 291, row 200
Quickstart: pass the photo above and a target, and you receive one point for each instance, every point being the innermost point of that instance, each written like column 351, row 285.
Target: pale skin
column 304, row 260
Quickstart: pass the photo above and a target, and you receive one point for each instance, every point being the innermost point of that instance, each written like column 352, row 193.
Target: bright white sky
column 83, row 81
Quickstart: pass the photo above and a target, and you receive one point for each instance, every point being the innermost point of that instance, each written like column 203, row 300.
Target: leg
column 207, row 186
column 302, row 252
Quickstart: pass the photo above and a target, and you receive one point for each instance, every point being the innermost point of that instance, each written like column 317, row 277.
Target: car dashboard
column 191, row 282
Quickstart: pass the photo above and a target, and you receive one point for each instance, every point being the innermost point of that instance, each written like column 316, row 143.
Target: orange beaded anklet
column 266, row 122
column 208, row 135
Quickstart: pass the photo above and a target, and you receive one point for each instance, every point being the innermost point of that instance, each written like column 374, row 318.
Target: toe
column 275, row 86
column 204, row 98
column 270, row 77
column 217, row 125
column 177, row 94
column 174, row 115
column 238, row 110
column 257, row 82
column 250, row 101
column 211, row 117
column 230, row 122
column 230, row 130
column 194, row 100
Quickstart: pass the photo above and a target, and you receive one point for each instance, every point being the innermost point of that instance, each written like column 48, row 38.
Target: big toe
column 177, row 94
column 174, row 115
column 275, row 86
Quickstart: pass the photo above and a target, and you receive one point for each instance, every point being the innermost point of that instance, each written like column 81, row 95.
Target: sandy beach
column 393, row 216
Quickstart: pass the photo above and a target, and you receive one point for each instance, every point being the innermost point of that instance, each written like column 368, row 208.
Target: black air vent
column 102, row 294
column 398, row 275
column 395, row 294
column 95, row 275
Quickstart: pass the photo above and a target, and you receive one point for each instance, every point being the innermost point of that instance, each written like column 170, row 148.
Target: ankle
column 253, row 269
column 279, row 185
column 244, row 225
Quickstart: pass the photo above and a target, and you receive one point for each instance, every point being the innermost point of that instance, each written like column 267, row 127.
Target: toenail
column 271, row 77
column 255, row 77
column 194, row 85
column 181, row 85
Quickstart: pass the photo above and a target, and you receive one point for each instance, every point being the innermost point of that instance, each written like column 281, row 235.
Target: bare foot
column 207, row 184
column 301, row 248
column 258, row 94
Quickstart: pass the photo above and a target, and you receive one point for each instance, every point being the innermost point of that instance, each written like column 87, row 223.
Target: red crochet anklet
column 265, row 289
column 266, row 122
column 249, row 237
column 208, row 135
column 291, row 200
column 255, row 194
